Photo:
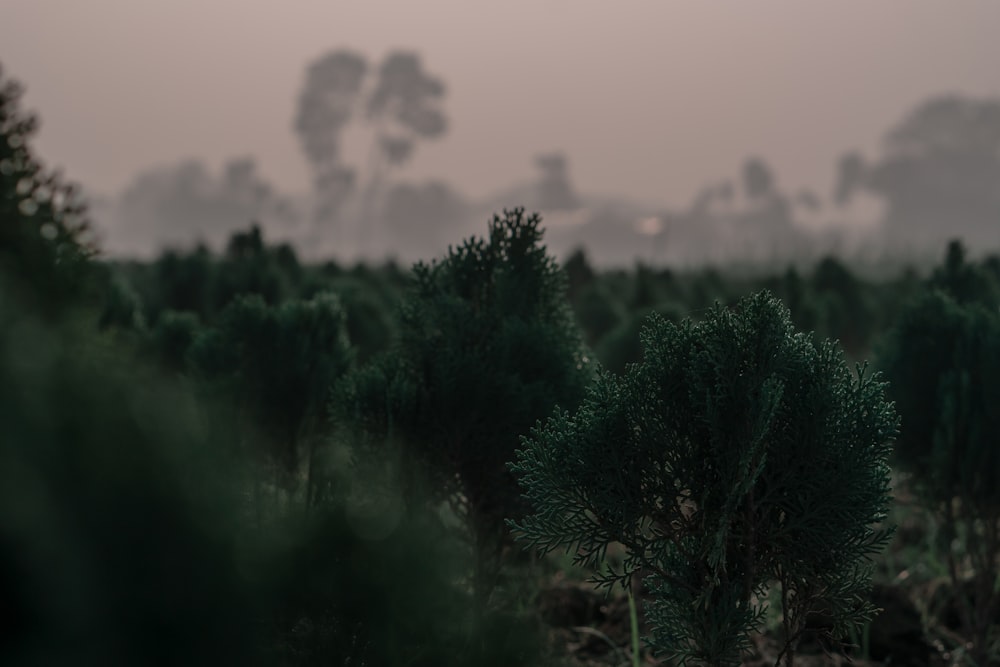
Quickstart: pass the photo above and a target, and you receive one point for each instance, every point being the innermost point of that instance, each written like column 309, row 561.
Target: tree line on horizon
column 938, row 162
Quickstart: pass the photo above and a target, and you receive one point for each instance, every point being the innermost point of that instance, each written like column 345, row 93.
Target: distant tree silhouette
column 400, row 107
column 758, row 180
column 770, row 212
column 419, row 218
column 183, row 203
column 555, row 190
column 939, row 174
column 325, row 107
column 808, row 200
column 850, row 177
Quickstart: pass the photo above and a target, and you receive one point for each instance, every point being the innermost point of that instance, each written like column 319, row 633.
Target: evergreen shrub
column 943, row 361
column 738, row 457
column 487, row 345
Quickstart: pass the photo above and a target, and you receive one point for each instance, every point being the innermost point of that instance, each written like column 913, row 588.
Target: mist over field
column 679, row 134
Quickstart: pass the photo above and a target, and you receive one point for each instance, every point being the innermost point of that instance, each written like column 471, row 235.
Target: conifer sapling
column 488, row 345
column 737, row 457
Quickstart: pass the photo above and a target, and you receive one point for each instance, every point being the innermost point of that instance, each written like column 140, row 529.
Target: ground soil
column 587, row 628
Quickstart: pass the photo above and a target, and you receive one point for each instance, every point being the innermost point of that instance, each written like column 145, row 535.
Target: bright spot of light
column 649, row 226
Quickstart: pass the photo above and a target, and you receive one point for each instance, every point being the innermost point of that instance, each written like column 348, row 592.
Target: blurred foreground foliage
column 151, row 504
column 136, row 530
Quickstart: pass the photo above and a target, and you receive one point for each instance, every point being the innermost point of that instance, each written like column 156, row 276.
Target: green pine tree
column 279, row 365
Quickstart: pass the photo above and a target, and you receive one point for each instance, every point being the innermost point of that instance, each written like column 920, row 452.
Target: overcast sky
column 648, row 99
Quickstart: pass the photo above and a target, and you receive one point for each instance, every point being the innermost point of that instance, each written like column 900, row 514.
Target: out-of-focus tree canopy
column 43, row 228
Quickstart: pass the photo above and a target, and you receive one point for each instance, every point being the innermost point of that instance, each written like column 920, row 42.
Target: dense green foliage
column 279, row 364
column 943, row 360
column 173, row 488
column 129, row 535
column 203, row 284
column 487, row 346
column 737, row 455
column 117, row 545
column 136, row 526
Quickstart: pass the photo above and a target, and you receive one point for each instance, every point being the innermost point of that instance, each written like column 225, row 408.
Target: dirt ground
column 586, row 629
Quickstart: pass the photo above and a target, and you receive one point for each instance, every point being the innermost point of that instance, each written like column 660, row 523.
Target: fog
column 674, row 133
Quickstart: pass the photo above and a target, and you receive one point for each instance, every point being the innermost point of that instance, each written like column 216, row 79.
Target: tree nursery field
column 492, row 457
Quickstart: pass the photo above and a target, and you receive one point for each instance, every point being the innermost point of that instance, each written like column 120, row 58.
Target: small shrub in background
column 942, row 359
column 963, row 281
column 487, row 346
column 279, row 364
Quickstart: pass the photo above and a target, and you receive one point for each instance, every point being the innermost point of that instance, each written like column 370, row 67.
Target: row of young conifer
column 239, row 459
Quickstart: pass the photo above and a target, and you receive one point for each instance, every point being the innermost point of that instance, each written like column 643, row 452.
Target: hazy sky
column 648, row 99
